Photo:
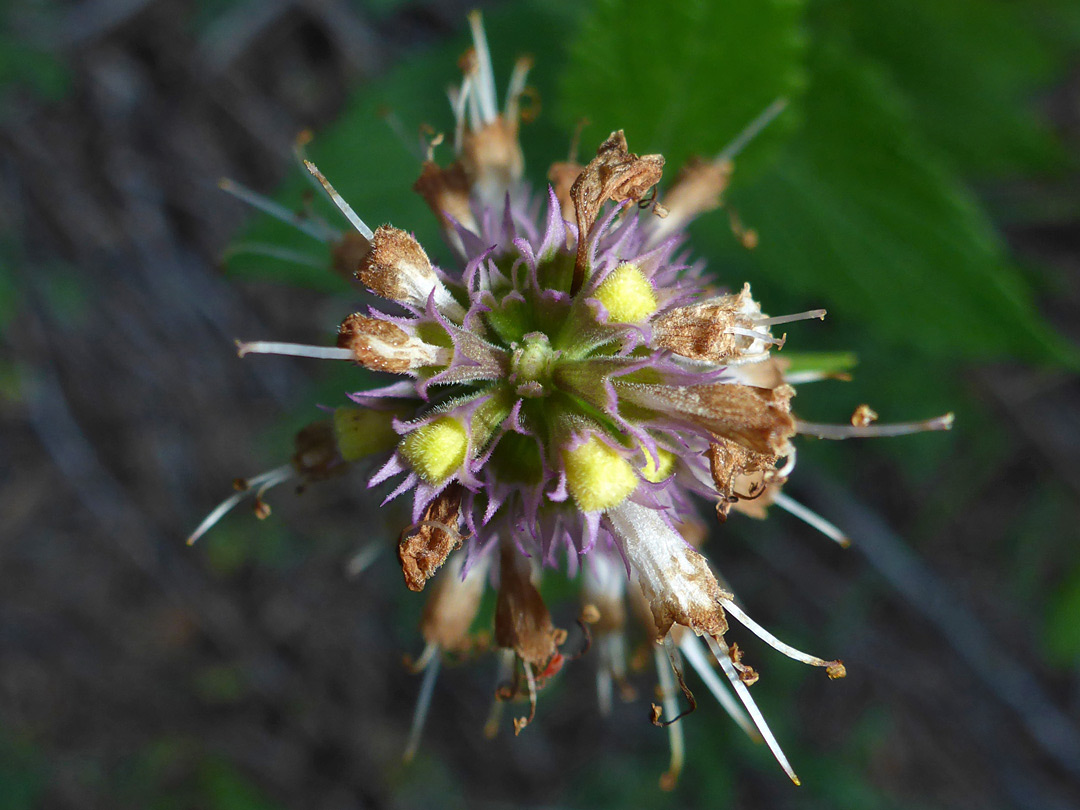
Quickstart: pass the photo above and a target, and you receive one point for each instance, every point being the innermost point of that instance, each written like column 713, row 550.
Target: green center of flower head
column 531, row 364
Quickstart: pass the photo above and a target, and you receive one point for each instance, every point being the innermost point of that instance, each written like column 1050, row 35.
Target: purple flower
column 567, row 393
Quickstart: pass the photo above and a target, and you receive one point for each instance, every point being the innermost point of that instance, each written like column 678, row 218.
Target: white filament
column 811, row 518
column 753, row 129
column 485, row 75
column 264, row 482
column 770, row 639
column 423, row 701
column 516, row 87
column 363, row 559
column 694, row 650
column 339, row 201
column 274, row 252
column 722, row 653
column 751, row 333
column 313, row 228
column 669, row 699
column 458, row 103
column 294, row 350
column 803, row 377
column 809, row 315
column 944, row 422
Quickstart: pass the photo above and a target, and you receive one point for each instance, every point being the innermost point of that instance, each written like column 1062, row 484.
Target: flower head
column 566, row 393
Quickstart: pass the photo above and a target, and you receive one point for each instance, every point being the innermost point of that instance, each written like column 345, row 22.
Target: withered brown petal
column 446, row 191
column 562, row 175
column 739, row 473
column 615, row 174
column 757, row 418
column 522, row 620
column 425, row 547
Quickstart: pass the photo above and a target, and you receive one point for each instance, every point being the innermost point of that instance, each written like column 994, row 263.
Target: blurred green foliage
column 23, row 773
column 862, row 211
column 29, row 59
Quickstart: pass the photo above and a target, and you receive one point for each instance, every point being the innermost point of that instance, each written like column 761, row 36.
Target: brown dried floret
column 706, row 331
column 492, row 156
column 383, row 346
column 759, row 419
column 615, row 174
column 315, row 453
column 562, row 175
column 424, row 548
column 452, row 605
column 522, row 620
column 697, row 189
column 446, row 191
column 347, row 253
column 395, row 265
column 742, row 476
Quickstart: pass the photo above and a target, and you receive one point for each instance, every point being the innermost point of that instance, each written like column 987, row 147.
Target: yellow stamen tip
column 597, row 476
column 654, row 471
column 436, row 450
column 627, row 295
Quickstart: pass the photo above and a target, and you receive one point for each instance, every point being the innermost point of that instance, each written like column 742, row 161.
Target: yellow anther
column 597, row 476
column 627, row 295
column 655, row 472
column 361, row 432
column 436, row 450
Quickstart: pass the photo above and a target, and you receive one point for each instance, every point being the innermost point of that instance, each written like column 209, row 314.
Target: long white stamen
column 273, row 252
column 363, row 559
column 423, row 702
column 530, row 679
column 603, row 690
column 476, row 120
column 772, row 640
column 314, row 229
column 944, row 422
column 752, row 130
column 809, row 315
column 723, row 656
column 503, row 672
column 337, row 199
column 803, row 377
column 485, row 75
column 516, row 87
column 694, row 650
column 751, row 333
column 263, row 481
column 458, row 104
column 669, row 699
column 294, row 350
column 812, row 518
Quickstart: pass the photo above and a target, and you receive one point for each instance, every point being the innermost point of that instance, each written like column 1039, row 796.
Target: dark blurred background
column 922, row 186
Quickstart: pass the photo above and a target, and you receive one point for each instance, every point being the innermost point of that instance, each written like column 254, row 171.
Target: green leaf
column 683, row 78
column 970, row 70
column 860, row 216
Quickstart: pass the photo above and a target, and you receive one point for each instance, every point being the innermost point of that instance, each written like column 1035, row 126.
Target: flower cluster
column 564, row 395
